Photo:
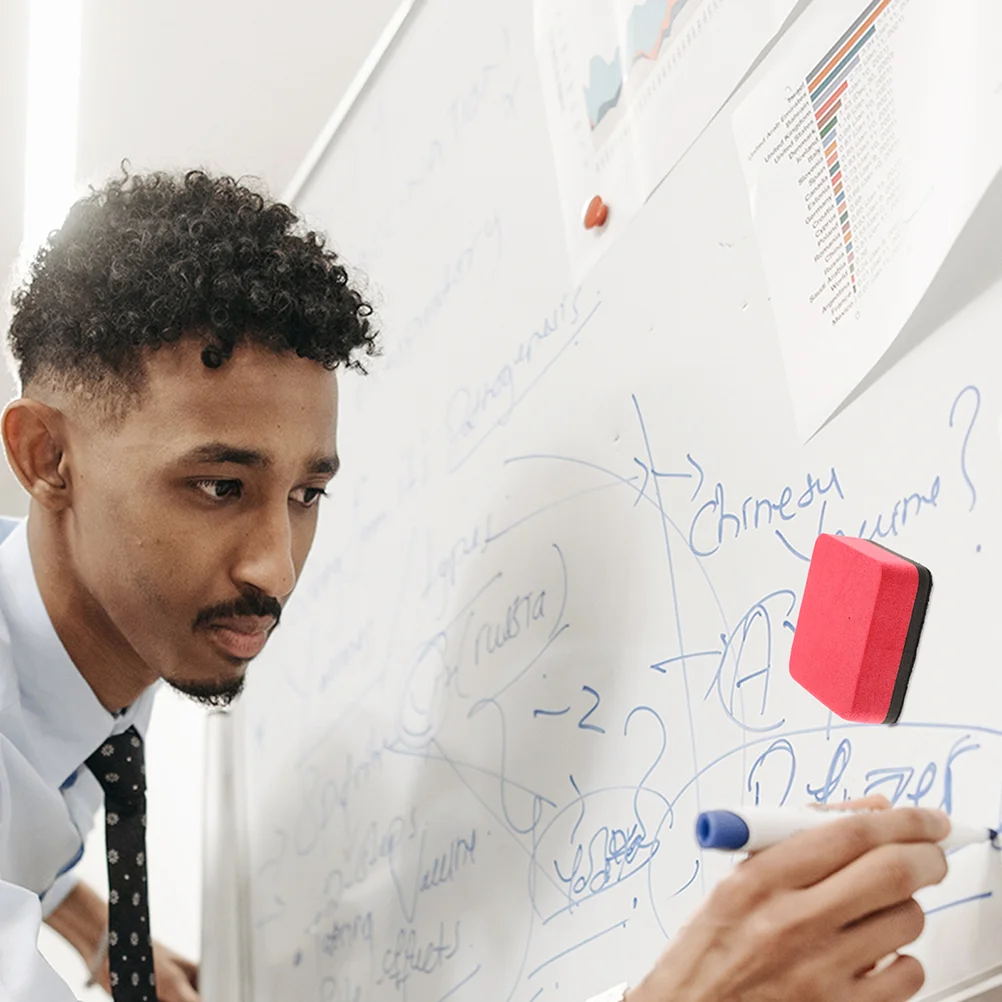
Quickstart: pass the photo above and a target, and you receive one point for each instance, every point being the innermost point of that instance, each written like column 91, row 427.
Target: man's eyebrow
column 221, row 453
column 328, row 465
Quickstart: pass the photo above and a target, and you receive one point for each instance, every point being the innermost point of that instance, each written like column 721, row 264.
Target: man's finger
column 896, row 983
column 190, row 970
column 874, row 802
column 811, row 856
column 864, row 944
column 177, row 989
column 883, row 878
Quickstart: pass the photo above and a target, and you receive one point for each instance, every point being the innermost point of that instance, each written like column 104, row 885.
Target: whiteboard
column 549, row 609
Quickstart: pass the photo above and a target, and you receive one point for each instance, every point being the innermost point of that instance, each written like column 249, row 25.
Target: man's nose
column 265, row 560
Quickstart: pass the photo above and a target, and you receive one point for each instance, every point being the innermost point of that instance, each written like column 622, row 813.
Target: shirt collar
column 64, row 719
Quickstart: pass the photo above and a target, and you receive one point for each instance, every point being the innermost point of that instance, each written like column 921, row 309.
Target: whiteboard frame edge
column 350, row 99
column 224, row 776
column 239, row 790
column 970, row 989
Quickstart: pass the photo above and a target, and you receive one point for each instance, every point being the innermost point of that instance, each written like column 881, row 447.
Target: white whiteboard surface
column 550, row 605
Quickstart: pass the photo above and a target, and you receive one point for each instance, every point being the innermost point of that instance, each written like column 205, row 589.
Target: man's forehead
column 254, row 381
column 252, row 374
column 256, row 400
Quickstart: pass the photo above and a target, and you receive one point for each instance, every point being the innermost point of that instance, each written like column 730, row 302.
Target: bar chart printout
column 848, row 141
column 629, row 86
column 827, row 84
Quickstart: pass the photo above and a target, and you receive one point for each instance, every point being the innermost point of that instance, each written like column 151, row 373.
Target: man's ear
column 33, row 437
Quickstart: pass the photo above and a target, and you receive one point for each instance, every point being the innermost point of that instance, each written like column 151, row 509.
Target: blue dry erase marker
column 747, row 829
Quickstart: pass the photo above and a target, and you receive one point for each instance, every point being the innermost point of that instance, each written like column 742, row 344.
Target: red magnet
column 596, row 214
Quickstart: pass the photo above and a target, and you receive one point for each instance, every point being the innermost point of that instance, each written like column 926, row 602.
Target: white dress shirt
column 50, row 723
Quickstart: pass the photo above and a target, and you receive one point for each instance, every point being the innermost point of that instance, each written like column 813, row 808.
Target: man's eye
column 219, row 490
column 308, row 496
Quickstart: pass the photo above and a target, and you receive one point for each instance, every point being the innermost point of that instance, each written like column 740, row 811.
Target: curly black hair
column 150, row 258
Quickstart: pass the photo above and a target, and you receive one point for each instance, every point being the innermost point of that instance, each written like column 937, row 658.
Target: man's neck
column 101, row 654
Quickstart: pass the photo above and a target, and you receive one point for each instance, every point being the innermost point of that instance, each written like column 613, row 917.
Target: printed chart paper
column 866, row 147
column 629, row 86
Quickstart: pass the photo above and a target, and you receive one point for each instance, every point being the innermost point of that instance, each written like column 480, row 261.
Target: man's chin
column 217, row 693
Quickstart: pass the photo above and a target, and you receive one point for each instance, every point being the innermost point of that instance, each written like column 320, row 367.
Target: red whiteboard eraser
column 858, row 629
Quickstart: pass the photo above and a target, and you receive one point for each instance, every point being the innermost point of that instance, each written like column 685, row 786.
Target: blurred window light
column 53, row 104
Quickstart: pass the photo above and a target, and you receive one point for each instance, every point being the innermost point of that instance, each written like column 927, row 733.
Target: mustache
column 248, row 604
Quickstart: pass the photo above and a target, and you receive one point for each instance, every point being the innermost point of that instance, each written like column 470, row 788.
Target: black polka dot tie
column 118, row 767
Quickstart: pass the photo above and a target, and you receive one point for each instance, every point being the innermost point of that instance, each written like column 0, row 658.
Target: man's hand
column 177, row 978
column 82, row 918
column 808, row 920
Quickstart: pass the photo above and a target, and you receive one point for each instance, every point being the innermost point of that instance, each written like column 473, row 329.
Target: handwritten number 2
column 583, row 722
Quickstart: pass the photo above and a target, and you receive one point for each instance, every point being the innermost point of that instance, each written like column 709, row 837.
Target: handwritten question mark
column 967, row 436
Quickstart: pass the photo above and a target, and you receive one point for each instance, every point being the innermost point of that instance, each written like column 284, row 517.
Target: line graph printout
column 865, row 152
column 629, row 86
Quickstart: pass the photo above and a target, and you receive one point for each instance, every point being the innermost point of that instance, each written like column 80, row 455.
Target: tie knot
column 118, row 766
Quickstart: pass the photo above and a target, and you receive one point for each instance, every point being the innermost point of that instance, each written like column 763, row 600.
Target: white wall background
column 240, row 86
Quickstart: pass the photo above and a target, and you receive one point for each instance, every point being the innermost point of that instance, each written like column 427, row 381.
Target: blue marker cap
column 721, row 830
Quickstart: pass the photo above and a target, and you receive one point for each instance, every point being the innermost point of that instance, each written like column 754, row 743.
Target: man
column 177, row 344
